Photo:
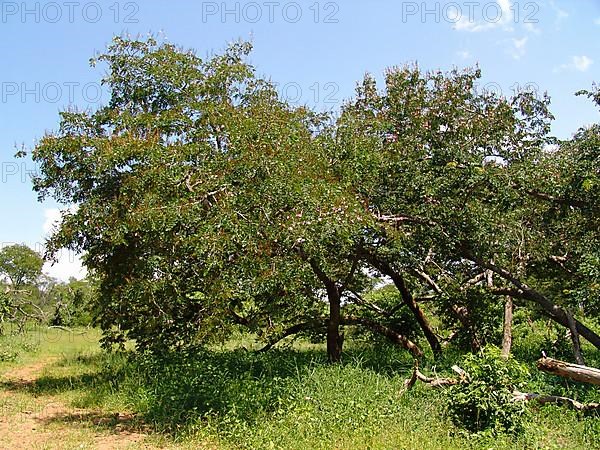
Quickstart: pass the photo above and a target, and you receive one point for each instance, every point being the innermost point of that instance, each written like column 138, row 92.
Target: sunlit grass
column 229, row 396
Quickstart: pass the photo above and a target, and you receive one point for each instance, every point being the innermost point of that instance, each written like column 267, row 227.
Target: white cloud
column 464, row 54
column 488, row 18
column 518, row 47
column 499, row 14
column 582, row 63
column 579, row 63
column 597, row 21
column 531, row 28
column 561, row 14
column 51, row 220
column 67, row 264
column 505, row 6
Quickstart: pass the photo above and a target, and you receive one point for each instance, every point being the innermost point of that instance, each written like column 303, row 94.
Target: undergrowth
column 293, row 399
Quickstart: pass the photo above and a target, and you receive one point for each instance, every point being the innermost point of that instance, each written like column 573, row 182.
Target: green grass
column 230, row 397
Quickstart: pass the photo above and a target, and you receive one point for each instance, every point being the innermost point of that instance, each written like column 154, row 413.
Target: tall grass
column 229, row 397
column 294, row 399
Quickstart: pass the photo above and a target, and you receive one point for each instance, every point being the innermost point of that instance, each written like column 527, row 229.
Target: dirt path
column 28, row 374
column 31, row 422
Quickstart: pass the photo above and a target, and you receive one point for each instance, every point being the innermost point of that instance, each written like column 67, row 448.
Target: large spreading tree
column 204, row 201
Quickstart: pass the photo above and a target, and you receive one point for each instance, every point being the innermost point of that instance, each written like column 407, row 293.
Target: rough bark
column 460, row 312
column 507, row 329
column 574, row 372
column 334, row 296
column 409, row 300
column 334, row 339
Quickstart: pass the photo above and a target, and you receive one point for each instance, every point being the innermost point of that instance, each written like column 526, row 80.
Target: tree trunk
column 575, row 372
column 388, row 332
column 334, row 295
column 575, row 338
column 507, row 331
column 553, row 310
column 334, row 340
column 409, row 300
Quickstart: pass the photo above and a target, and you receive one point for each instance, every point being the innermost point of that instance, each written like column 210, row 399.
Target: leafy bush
column 7, row 355
column 485, row 403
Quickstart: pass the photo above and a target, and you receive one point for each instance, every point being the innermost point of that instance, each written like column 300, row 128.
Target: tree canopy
column 20, row 265
column 204, row 201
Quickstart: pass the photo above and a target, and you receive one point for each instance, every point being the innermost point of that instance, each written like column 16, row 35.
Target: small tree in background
column 20, row 265
column 21, row 268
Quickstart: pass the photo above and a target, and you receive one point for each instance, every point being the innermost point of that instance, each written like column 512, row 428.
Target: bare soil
column 45, row 422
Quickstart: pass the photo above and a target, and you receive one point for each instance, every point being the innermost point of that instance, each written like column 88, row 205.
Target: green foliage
column 205, row 202
column 191, row 185
column 5, row 308
column 385, row 305
column 16, row 342
column 72, row 302
column 485, row 403
column 227, row 397
column 289, row 399
column 7, row 355
column 20, row 275
column 20, row 265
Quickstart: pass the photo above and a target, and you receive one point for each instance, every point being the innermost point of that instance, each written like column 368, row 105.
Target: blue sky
column 315, row 51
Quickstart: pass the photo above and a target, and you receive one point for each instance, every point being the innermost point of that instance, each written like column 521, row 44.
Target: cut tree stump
column 574, row 372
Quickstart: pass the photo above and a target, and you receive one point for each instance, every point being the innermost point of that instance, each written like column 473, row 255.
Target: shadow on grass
column 117, row 423
column 173, row 391
column 50, row 385
column 95, row 377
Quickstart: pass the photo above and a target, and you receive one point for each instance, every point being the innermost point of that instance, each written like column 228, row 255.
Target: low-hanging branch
column 386, row 331
column 522, row 290
column 386, row 268
column 360, row 300
column 376, row 327
column 295, row 329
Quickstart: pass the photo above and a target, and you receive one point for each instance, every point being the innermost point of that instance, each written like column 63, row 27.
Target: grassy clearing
column 229, row 397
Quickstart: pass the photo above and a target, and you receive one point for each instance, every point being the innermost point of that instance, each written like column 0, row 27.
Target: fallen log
column 60, row 327
column 517, row 396
column 574, row 372
column 544, row 399
column 434, row 382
